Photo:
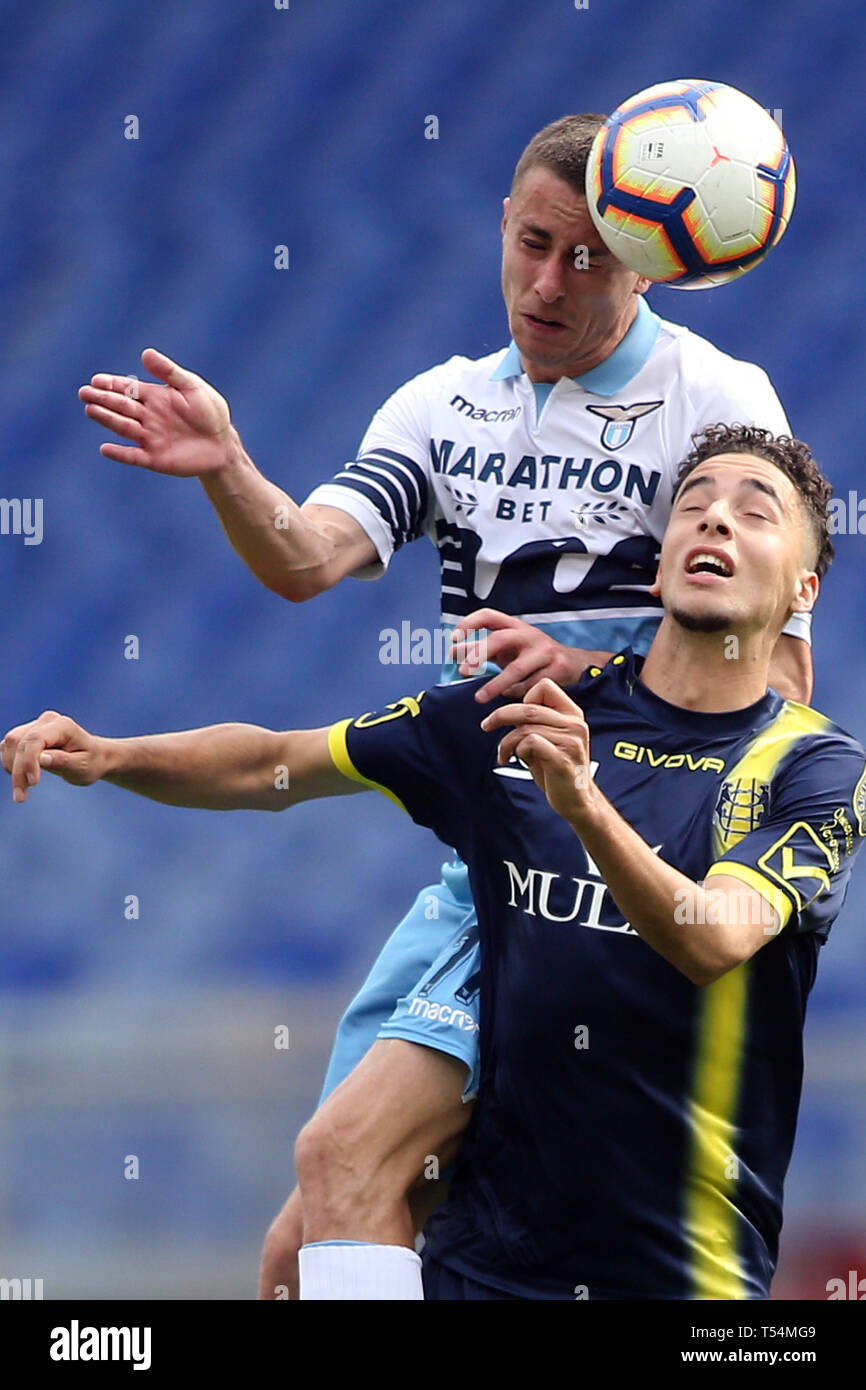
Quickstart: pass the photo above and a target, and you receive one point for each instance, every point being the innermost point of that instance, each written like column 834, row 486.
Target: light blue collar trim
column 617, row 370
column 510, row 365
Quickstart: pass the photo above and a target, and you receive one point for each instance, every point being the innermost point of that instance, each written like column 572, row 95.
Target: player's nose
column 716, row 520
column 549, row 284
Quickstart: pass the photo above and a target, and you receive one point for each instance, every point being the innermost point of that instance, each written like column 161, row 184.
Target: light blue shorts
column 424, row 986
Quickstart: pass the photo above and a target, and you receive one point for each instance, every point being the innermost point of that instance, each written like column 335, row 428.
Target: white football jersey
column 549, row 502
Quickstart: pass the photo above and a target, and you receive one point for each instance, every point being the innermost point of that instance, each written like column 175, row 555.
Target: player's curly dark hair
column 563, row 147
column 791, row 456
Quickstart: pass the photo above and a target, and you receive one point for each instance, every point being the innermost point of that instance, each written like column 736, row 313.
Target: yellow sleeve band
column 339, row 751
column 778, row 900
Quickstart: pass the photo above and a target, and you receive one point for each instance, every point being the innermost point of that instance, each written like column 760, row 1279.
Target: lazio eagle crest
column 621, row 420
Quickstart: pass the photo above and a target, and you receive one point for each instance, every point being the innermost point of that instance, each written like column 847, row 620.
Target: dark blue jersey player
column 638, row 1097
column 633, row 1127
column 656, row 857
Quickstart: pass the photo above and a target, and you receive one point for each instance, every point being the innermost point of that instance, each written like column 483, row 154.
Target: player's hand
column 182, row 427
column 525, row 653
column 551, row 736
column 57, row 744
column 278, row 1270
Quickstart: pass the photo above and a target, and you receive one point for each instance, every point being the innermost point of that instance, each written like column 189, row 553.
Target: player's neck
column 709, row 672
column 539, row 372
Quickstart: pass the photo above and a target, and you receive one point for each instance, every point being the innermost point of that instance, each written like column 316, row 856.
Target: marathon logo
column 545, row 471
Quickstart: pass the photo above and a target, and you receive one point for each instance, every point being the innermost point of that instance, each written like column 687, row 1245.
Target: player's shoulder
column 455, row 699
column 818, row 729
column 450, row 704
column 454, row 374
column 819, row 749
column 700, row 363
column 601, row 683
column 458, row 383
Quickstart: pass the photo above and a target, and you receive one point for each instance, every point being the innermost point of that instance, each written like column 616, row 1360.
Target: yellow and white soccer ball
column 690, row 183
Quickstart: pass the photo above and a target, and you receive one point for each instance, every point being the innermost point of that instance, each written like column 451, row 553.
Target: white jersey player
column 543, row 473
column 548, row 501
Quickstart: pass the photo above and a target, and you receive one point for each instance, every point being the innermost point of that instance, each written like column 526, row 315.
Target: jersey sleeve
column 386, row 488
column 427, row 753
column 800, row 855
column 742, row 395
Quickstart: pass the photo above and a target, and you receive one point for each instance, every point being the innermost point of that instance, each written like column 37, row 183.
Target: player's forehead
column 726, row 473
column 545, row 202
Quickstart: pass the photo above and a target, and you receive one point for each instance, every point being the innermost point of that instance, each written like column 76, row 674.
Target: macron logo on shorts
column 442, row 1013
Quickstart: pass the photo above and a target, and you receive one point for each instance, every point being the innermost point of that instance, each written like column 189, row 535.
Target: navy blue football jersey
column 632, row 1129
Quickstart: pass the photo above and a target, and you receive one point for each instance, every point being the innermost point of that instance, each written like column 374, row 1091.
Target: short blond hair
column 563, row 147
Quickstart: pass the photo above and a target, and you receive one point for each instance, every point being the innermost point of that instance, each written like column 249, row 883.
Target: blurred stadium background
column 304, row 127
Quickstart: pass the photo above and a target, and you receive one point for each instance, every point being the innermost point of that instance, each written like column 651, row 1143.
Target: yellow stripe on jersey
column 778, row 900
column 761, row 759
column 339, row 751
column 713, row 1167
column 711, row 1217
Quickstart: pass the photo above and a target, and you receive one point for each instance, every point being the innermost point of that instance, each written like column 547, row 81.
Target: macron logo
column 77, row 1343
column 478, row 412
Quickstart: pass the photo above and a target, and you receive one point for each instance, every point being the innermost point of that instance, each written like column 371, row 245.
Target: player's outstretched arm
column 181, row 425
column 703, row 932
column 525, row 654
column 223, row 768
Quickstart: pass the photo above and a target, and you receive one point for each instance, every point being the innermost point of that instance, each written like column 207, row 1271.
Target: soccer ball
column 690, row 183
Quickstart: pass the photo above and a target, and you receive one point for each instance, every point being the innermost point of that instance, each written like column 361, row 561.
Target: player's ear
column 805, row 598
column 506, row 204
column 656, row 586
column 642, row 285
